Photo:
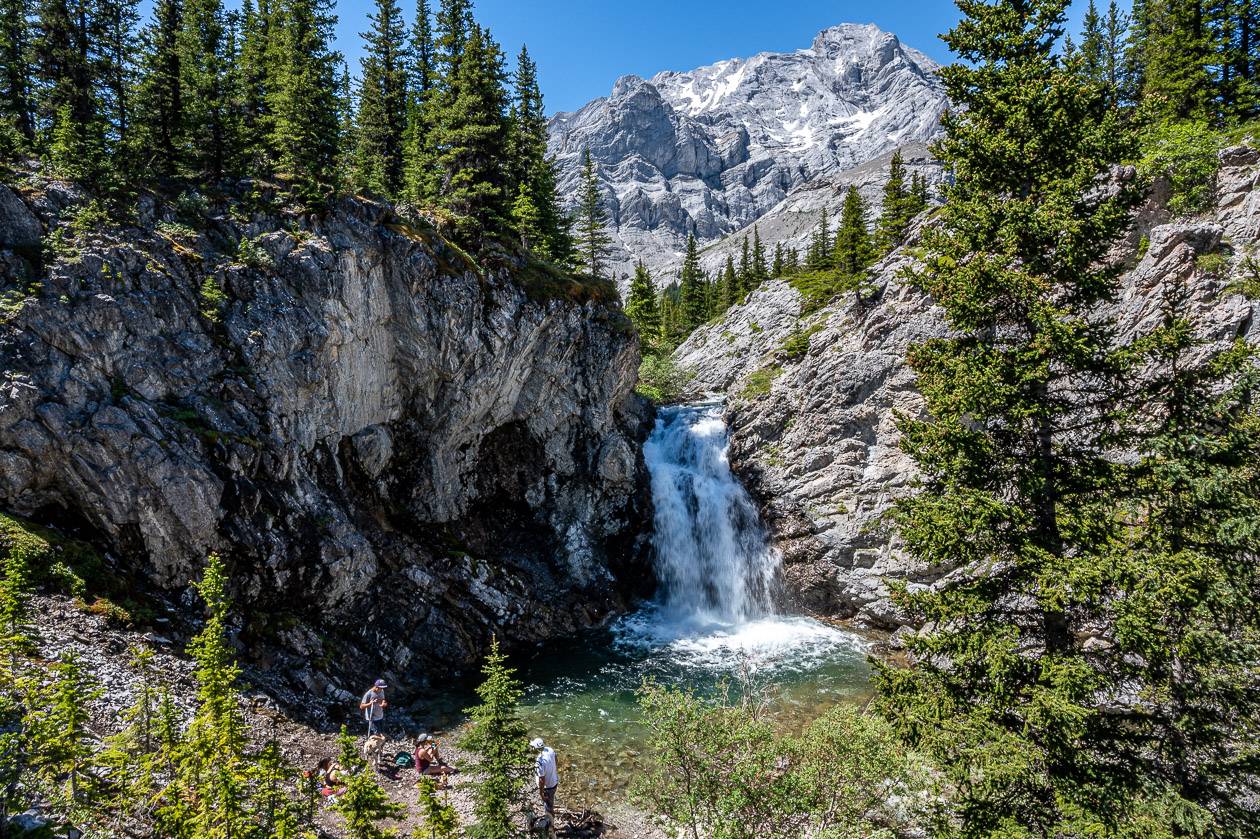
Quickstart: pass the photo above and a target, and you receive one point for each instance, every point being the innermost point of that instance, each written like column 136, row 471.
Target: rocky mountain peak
column 710, row 151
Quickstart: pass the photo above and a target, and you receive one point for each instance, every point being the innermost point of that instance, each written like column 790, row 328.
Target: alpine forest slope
column 1025, row 438
column 709, row 151
column 338, row 336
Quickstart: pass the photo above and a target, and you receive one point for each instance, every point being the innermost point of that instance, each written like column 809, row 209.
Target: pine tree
column 759, row 272
column 212, row 767
column 1093, row 44
column 693, row 311
column 305, row 131
column 439, row 819
column 159, row 97
column 818, row 257
column 744, row 273
column 271, row 777
column 381, row 122
column 542, row 225
column 363, row 805
column 256, row 72
column 210, row 130
column 15, row 69
column 592, row 221
column 16, row 638
column 854, row 251
column 129, row 757
column 1018, row 484
column 1175, row 54
column 419, row 164
column 791, row 261
column 497, row 739
column 63, row 754
column 777, row 269
column 113, row 45
column 641, row 304
column 896, row 214
column 730, row 283
column 1114, row 40
column 67, row 106
column 472, row 138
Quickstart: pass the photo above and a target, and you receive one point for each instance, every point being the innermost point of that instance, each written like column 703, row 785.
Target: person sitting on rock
column 331, row 783
column 429, row 760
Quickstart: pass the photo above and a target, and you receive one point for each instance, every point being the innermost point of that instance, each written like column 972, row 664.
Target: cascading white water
column 712, row 557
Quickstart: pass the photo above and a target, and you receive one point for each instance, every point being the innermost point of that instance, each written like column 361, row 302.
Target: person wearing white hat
column 548, row 777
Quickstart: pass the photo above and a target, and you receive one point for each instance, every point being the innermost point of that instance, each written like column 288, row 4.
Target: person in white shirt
column 373, row 706
column 548, row 778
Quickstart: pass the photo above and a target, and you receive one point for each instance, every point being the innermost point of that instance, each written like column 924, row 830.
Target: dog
column 541, row 826
column 373, row 748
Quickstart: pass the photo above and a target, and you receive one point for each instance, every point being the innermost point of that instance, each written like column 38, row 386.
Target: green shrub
column 662, row 379
column 251, row 255
column 1144, row 245
column 758, row 382
column 796, row 345
column 1186, row 154
column 213, row 300
column 1212, row 264
column 818, row 288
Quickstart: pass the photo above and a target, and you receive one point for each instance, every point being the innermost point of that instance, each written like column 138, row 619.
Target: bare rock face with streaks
column 814, row 435
column 399, row 452
column 712, row 150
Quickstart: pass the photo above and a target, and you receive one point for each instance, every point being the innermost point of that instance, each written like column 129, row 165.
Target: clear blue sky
column 582, row 46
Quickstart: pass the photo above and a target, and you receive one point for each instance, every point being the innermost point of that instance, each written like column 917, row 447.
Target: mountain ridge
column 710, row 151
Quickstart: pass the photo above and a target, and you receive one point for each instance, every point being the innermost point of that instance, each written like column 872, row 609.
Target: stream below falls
column 713, row 622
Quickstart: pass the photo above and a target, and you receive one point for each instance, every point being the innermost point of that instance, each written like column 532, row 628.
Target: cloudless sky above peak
column 582, row 47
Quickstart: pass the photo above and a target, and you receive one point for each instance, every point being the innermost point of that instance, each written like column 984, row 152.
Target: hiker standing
column 548, row 778
column 373, row 706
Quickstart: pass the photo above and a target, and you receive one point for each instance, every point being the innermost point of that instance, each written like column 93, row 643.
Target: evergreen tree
column 439, row 819
column 363, row 805
column 128, row 757
column 212, row 766
column 63, row 753
column 1114, row 40
column 898, row 210
column 730, row 283
column 472, row 138
column 693, row 311
column 542, row 225
column 776, row 270
column 256, row 71
column 419, row 164
column 160, row 97
column 592, row 221
column 497, row 739
column 16, row 638
column 210, row 129
column 818, row 257
column 1175, row 54
column 67, row 105
column 15, row 69
column 744, row 274
column 759, row 272
column 275, row 813
column 791, row 261
column 641, row 304
column 854, row 251
column 382, row 116
column 305, row 131
column 1093, row 44
column 1019, row 486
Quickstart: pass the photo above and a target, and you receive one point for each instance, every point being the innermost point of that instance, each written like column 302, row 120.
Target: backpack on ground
column 404, row 760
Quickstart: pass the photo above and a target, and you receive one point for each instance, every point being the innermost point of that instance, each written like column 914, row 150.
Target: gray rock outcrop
column 399, row 453
column 813, row 433
column 712, row 150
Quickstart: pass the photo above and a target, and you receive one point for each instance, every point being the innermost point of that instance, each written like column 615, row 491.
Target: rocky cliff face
column 813, row 431
column 712, row 150
column 399, row 452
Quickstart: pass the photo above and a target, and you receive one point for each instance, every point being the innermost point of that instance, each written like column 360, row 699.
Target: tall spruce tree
column 159, row 97
column 210, row 129
column 641, row 305
column 67, row 105
column 691, row 282
column 15, row 71
column 1175, row 53
column 304, row 127
column 381, row 122
column 854, row 251
column 363, row 805
column 818, row 257
column 760, row 272
column 1024, row 405
column 472, row 138
column 419, row 162
column 898, row 208
column 731, row 292
column 592, row 221
column 498, row 740
column 255, row 75
column 744, row 273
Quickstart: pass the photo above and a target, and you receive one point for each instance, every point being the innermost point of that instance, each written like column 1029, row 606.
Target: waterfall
column 713, row 560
